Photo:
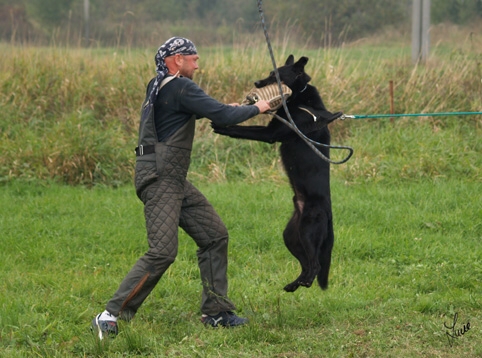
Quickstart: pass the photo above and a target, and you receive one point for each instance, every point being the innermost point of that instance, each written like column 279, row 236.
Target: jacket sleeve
column 194, row 100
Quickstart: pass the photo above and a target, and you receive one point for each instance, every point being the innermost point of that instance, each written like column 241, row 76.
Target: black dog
column 309, row 233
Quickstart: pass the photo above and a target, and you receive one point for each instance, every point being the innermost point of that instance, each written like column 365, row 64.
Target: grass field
column 406, row 260
column 407, row 206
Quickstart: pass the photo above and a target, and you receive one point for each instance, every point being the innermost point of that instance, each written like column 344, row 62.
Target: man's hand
column 263, row 106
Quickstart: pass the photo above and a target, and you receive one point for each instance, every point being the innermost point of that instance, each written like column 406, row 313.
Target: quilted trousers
column 167, row 206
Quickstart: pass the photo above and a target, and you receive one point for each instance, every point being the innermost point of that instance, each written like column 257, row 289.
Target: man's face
column 189, row 65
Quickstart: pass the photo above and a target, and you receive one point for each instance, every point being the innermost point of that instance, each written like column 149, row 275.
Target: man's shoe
column 104, row 328
column 225, row 319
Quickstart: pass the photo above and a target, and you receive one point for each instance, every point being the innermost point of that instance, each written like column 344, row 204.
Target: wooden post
column 392, row 104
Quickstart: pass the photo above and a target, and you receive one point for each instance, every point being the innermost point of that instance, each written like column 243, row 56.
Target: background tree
column 456, row 11
column 146, row 22
column 335, row 21
column 48, row 13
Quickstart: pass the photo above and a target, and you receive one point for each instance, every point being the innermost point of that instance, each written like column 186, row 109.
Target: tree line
column 142, row 22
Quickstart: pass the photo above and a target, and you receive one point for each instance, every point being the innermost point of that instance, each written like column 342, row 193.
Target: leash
column 290, row 123
column 445, row 114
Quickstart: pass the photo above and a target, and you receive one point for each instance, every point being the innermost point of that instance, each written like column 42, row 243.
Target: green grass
column 406, row 259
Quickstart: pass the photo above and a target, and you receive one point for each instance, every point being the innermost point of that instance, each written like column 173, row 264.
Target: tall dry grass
column 71, row 114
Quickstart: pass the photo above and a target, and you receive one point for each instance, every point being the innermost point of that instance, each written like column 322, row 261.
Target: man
column 173, row 103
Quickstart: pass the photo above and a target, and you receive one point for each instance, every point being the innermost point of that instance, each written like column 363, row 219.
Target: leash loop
column 290, row 123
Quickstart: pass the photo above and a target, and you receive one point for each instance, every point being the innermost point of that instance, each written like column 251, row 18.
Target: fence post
column 392, row 102
column 86, row 20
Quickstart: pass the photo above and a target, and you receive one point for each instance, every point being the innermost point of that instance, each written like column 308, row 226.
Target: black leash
column 290, row 123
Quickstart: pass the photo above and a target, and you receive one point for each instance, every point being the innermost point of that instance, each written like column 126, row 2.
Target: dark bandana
column 173, row 46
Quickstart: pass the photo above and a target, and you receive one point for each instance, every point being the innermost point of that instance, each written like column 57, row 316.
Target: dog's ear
column 302, row 62
column 290, row 60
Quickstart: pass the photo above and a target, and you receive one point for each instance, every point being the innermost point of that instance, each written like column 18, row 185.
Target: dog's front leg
column 258, row 133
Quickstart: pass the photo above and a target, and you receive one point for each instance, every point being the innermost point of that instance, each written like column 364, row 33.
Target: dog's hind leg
column 313, row 229
column 291, row 237
column 303, row 238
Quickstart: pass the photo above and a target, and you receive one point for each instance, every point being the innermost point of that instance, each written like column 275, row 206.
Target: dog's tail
column 325, row 257
column 323, row 276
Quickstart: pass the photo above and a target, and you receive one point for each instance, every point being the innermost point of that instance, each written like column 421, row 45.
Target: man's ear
column 179, row 60
column 174, row 63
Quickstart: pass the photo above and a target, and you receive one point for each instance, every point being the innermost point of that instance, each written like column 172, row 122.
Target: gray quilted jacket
column 169, row 125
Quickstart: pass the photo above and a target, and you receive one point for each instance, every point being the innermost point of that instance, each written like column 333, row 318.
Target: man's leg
column 161, row 209
column 200, row 220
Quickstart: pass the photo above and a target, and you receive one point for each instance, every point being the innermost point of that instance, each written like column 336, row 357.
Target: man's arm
column 195, row 100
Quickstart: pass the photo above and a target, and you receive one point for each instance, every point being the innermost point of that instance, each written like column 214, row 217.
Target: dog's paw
column 218, row 129
column 291, row 287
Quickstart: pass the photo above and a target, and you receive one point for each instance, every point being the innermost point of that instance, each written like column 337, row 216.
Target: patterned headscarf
column 173, row 46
